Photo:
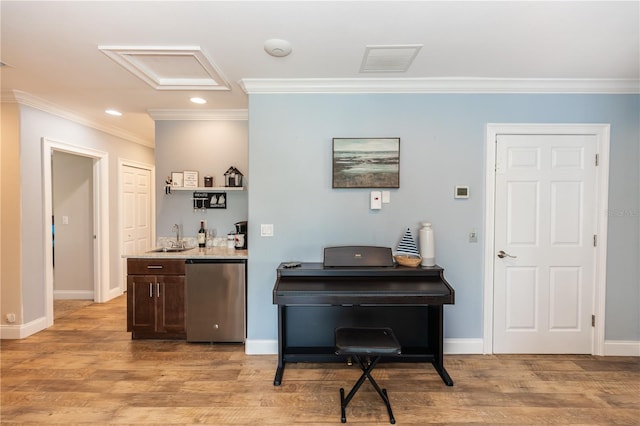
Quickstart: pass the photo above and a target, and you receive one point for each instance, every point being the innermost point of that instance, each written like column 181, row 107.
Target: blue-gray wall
column 442, row 145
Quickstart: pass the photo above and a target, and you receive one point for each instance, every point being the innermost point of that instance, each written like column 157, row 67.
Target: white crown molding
column 23, row 98
column 440, row 85
column 205, row 114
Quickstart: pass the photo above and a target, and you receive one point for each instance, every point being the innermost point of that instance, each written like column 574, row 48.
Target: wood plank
column 86, row 369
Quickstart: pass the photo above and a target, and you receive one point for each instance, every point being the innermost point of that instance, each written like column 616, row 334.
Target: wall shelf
column 208, row 188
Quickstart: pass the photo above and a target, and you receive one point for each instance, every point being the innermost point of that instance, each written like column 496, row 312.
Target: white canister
column 231, row 241
column 427, row 244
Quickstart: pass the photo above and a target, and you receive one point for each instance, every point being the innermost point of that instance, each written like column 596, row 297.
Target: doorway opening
column 100, row 220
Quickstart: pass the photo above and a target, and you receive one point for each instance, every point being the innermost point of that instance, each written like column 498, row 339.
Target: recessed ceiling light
column 199, row 101
column 113, row 112
column 277, row 47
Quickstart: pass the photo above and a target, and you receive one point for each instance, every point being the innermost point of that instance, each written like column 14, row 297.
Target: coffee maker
column 241, row 230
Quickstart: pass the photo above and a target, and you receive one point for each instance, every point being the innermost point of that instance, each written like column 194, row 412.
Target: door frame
column 100, row 219
column 602, row 133
column 122, row 163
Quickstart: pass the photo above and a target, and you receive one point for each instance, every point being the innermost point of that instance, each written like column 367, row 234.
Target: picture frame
column 190, row 179
column 177, row 179
column 366, row 163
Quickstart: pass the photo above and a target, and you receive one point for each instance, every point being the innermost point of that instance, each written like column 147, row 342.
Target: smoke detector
column 277, row 47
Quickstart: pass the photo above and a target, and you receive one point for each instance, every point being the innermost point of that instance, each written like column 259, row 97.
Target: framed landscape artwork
column 366, row 163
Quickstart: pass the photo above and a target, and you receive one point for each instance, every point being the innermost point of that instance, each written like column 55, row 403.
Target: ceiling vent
column 169, row 68
column 389, row 58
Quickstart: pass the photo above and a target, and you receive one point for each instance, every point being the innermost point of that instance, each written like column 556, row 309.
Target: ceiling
column 53, row 60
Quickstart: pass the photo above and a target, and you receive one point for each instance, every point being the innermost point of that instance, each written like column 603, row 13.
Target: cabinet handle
column 158, row 289
column 150, row 289
column 154, row 266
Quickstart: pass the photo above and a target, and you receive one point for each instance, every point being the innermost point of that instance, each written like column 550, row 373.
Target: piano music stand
column 360, row 342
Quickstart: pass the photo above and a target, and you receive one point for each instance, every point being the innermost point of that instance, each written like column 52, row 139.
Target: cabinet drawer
column 155, row 266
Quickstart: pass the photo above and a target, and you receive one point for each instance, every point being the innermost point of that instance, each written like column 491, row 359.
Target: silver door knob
column 502, row 255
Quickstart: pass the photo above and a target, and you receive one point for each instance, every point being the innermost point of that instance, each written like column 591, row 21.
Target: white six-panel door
column 136, row 221
column 545, row 221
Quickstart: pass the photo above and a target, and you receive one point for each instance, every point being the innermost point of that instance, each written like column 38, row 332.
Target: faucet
column 178, row 243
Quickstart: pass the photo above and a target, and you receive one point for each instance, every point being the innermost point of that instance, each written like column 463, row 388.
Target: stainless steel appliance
column 216, row 302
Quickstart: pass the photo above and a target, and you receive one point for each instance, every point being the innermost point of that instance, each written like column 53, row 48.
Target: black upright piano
column 314, row 298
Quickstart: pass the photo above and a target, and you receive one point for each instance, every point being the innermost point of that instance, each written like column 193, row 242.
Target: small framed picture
column 177, row 179
column 190, row 179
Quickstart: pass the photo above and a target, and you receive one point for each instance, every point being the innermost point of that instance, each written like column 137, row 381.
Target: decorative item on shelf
column 167, row 185
column 233, row 177
column 208, row 181
column 190, row 179
column 407, row 251
column 209, row 200
column 427, row 244
column 176, row 179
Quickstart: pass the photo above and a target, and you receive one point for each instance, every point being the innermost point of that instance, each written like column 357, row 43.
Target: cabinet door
column 141, row 303
column 171, row 313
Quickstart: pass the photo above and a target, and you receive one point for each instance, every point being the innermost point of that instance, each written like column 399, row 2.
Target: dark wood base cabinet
column 156, row 302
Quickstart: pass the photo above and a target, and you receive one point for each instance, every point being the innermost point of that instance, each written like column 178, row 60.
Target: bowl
column 405, row 260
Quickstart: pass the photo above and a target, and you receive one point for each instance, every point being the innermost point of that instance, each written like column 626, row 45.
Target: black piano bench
column 362, row 343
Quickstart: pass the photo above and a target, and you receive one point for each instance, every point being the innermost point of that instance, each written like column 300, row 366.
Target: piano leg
column 279, row 372
column 436, row 341
column 281, row 345
column 443, row 373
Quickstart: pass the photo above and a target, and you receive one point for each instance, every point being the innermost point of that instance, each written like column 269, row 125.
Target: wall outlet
column 473, row 236
column 11, row 318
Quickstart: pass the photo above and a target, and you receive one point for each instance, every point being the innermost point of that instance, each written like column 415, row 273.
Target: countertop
column 194, row 253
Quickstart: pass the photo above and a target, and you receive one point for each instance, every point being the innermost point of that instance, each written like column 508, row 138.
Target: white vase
column 427, row 244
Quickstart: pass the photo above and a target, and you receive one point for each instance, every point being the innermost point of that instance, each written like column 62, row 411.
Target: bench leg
column 366, row 374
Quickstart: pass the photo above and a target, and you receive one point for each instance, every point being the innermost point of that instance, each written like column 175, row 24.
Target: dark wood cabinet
column 156, row 301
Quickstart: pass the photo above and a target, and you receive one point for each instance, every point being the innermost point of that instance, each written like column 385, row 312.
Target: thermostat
column 461, row 192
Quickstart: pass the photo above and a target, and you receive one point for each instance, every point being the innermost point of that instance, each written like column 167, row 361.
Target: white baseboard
column 21, row 331
column 455, row 346
column 463, row 346
column 112, row 293
column 73, row 294
column 261, row 347
column 621, row 348
column 451, row 346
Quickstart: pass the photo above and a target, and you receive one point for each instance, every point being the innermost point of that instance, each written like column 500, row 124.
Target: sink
column 169, row 250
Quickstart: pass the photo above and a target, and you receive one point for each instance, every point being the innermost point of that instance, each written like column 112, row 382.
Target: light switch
column 376, row 200
column 65, row 220
column 266, row 230
column 386, row 197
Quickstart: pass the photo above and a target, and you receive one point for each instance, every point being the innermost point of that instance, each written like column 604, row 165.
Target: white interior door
column 136, row 220
column 545, row 222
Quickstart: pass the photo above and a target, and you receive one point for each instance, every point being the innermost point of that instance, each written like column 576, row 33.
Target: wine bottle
column 202, row 235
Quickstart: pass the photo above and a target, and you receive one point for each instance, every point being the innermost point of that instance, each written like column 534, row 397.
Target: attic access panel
column 169, row 68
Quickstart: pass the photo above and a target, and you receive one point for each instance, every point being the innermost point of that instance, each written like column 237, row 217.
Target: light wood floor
column 87, row 370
